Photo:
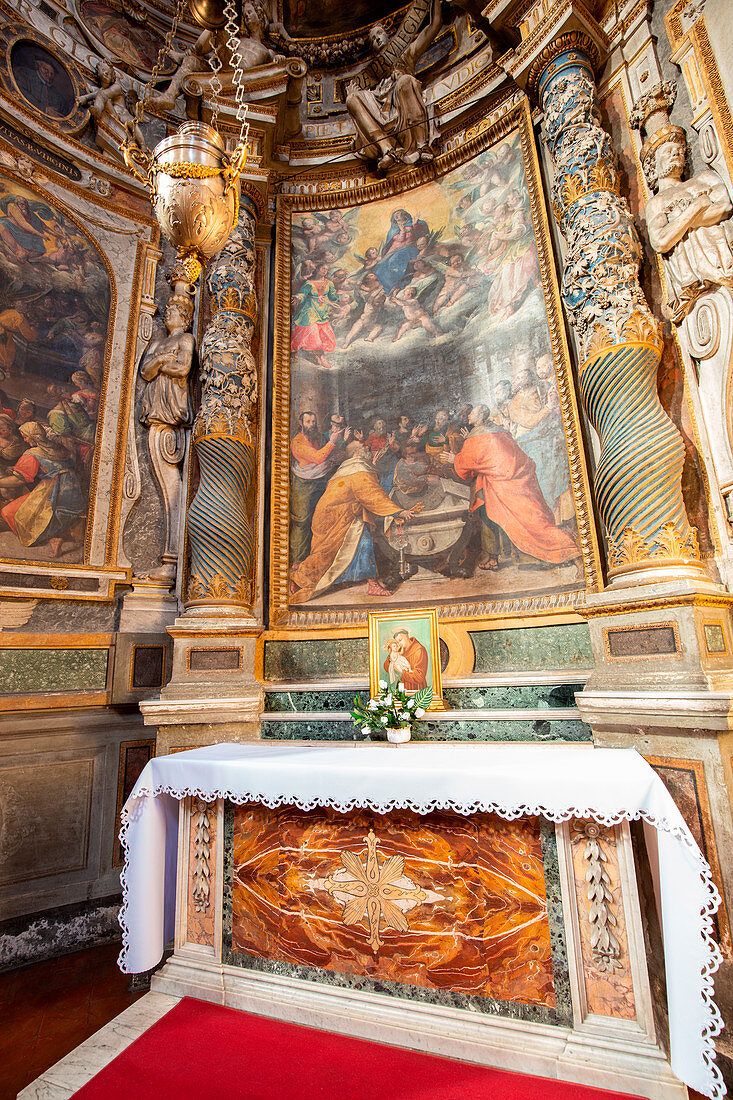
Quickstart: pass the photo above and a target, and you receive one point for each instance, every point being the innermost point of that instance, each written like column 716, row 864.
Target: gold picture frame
column 288, row 611
column 404, row 647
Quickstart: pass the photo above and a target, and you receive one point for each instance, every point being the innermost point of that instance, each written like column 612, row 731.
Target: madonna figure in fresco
column 312, row 331
column 399, row 249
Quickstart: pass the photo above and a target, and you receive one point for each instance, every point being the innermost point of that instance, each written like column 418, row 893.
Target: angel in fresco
column 371, row 320
column 312, row 331
column 391, row 120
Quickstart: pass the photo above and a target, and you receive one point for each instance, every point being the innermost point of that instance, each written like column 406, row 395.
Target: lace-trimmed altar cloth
column 554, row 781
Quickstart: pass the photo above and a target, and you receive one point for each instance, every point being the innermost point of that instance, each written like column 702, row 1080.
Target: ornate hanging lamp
column 192, row 179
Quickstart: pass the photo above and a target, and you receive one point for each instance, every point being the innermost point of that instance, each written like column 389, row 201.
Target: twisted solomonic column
column 638, row 477
column 219, row 527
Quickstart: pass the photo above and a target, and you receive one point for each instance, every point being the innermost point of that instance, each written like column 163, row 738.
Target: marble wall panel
column 685, row 781
column 464, row 729
column 26, row 671
column 531, row 697
column 535, row 647
column 315, row 659
column 33, row 841
column 202, row 844
column 437, row 907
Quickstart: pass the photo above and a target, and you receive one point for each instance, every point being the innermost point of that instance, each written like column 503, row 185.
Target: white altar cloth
column 555, row 781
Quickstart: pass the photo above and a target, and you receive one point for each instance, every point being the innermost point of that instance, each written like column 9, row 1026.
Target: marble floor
column 47, row 1009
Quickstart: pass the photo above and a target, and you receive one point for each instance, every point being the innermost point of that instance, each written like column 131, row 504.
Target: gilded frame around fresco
column 475, row 140
column 97, row 575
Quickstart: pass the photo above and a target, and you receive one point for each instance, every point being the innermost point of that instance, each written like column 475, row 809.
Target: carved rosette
column 225, row 430
column 639, row 474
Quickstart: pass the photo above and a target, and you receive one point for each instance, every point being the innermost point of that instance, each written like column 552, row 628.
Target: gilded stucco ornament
column 638, row 476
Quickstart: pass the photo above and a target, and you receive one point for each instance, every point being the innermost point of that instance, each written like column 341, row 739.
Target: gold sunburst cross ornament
column 372, row 890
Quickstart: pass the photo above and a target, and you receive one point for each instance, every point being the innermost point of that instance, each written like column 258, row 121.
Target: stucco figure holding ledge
column 391, row 120
column 689, row 221
column 109, row 104
column 166, row 410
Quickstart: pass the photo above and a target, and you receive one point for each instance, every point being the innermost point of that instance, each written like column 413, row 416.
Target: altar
column 478, row 901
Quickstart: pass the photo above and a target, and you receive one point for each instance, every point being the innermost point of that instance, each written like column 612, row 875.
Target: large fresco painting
column 54, row 314
column 427, row 447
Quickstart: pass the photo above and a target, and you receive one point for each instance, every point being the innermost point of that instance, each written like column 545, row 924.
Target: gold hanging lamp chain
column 215, row 64
column 163, row 52
column 234, row 45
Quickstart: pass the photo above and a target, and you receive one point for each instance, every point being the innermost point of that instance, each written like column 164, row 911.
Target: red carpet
column 201, row 1051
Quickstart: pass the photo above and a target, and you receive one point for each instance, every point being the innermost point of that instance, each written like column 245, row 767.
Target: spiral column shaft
column 638, row 480
column 219, row 522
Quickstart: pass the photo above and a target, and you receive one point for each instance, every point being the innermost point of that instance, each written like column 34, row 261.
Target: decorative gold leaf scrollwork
column 632, row 548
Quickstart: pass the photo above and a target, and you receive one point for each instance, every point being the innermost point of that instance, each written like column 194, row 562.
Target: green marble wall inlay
column 317, row 659
column 28, row 671
column 533, row 647
column 526, row 697
column 468, row 729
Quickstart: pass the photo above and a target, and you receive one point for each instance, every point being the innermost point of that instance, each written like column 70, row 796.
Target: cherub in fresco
column 415, row 314
column 371, row 319
column 459, row 276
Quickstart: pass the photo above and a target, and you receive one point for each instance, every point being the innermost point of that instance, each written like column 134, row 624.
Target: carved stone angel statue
column 194, row 60
column 689, row 221
column 109, row 103
column 166, row 410
column 391, row 119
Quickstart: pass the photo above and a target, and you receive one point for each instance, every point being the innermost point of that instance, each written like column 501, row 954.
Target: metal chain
column 216, row 88
column 234, row 46
column 163, row 52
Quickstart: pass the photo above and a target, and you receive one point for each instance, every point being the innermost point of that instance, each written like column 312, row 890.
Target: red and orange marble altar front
column 441, row 901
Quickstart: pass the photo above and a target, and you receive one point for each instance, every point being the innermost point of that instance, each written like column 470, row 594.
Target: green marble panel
column 533, row 647
column 528, row 697
column 300, row 701
column 316, row 659
column 471, row 729
column 28, row 671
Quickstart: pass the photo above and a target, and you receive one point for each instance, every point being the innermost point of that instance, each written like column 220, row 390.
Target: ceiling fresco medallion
column 376, row 891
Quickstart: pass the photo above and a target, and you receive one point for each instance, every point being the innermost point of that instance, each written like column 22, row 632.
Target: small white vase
column 399, row 736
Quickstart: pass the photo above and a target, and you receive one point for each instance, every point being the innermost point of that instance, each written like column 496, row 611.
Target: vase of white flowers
column 392, row 712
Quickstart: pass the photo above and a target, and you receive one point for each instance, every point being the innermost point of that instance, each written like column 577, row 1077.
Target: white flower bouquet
column 392, row 709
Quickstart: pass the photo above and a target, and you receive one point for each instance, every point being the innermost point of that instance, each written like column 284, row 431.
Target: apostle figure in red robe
column 506, row 490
